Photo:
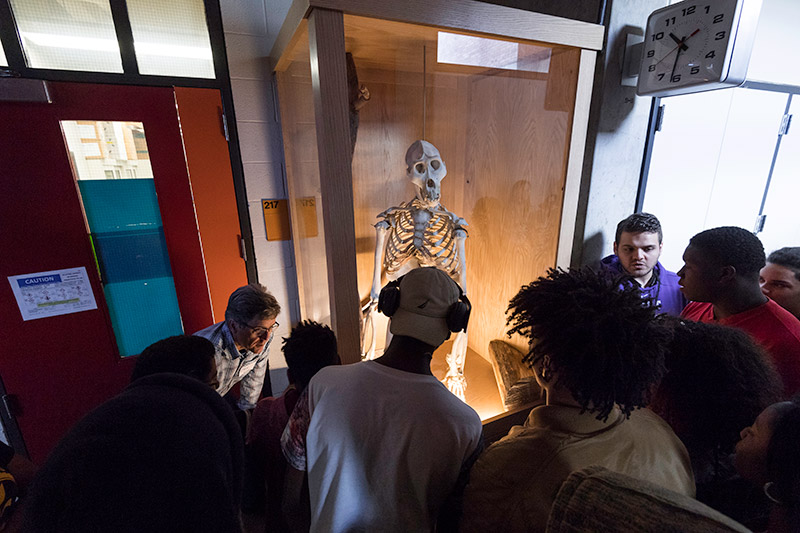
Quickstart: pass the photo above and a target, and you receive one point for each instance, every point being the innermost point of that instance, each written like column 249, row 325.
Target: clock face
column 687, row 44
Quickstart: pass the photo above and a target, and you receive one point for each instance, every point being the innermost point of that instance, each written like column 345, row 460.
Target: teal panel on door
column 127, row 232
column 120, row 205
column 142, row 312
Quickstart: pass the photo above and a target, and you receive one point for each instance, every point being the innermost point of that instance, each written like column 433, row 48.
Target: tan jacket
column 514, row 483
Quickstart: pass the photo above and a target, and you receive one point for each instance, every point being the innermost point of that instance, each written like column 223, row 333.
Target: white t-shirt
column 383, row 448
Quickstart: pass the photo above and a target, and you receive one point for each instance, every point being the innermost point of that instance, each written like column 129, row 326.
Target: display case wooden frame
column 324, row 22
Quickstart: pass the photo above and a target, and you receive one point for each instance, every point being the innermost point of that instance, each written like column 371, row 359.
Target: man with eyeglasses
column 242, row 342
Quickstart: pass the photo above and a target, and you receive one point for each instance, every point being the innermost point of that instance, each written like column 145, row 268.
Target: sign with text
column 276, row 220
column 307, row 216
column 52, row 293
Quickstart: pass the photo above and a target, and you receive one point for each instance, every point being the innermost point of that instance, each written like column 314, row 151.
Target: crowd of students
column 701, row 409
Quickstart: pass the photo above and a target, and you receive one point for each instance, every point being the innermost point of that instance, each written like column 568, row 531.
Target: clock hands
column 678, row 41
column 681, row 46
column 675, row 64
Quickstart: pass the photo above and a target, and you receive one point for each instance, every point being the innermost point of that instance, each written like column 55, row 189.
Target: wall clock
column 697, row 45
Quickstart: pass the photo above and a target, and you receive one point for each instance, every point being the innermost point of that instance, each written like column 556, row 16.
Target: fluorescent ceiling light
column 110, row 45
column 474, row 51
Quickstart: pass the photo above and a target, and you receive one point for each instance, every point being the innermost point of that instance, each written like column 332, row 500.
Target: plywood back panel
column 506, row 153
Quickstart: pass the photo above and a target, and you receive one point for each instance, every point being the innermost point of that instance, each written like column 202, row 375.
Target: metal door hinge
column 786, row 121
column 760, row 221
column 659, row 117
column 224, row 125
column 11, row 406
column 242, row 249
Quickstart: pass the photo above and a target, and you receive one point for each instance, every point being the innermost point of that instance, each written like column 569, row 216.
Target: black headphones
column 457, row 316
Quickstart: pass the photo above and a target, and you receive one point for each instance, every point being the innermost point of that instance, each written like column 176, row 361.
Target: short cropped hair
column 788, row 257
column 639, row 223
column 731, row 245
column 182, row 354
column 605, row 346
column 249, row 302
column 309, row 347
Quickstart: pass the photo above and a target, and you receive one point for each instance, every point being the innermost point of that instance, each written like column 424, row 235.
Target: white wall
column 615, row 144
column 777, row 44
column 250, row 28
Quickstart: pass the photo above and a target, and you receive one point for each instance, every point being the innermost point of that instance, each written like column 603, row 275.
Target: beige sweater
column 514, row 483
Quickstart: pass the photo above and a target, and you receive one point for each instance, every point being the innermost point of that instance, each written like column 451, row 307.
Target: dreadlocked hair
column 604, row 341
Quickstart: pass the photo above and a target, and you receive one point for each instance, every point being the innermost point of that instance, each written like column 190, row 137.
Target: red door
column 57, row 368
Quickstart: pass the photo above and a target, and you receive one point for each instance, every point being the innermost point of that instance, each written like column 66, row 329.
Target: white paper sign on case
column 53, row 293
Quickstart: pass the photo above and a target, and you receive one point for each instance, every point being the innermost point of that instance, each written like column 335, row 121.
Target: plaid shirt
column 234, row 366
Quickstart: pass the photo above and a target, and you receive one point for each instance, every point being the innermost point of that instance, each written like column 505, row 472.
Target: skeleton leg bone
column 455, row 380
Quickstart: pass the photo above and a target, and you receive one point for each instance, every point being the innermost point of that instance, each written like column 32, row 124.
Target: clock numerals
column 687, row 42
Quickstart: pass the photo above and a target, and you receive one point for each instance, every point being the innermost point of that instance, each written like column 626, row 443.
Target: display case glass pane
column 500, row 113
column 68, row 35
column 171, row 38
column 302, row 172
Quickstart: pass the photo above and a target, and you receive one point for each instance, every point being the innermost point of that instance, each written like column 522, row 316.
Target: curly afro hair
column 309, row 347
column 717, row 382
column 730, row 245
column 604, row 341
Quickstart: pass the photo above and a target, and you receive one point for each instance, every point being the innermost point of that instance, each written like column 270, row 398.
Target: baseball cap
column 426, row 294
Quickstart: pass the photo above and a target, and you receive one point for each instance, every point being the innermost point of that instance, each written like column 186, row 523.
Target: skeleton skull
column 426, row 170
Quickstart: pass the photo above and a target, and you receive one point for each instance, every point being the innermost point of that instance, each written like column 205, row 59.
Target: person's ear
column 727, row 274
column 616, row 249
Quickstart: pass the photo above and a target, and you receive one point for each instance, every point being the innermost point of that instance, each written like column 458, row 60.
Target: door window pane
column 781, row 227
column 68, row 35
column 710, row 163
column 171, row 38
column 3, row 60
column 115, row 181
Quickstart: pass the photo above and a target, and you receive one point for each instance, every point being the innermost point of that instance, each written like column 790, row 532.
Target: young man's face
column 638, row 254
column 781, row 284
column 696, row 281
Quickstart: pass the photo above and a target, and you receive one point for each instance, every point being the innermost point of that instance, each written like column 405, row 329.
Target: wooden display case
column 503, row 94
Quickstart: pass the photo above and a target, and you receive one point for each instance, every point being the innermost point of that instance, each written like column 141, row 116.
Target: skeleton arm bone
column 461, row 238
column 381, row 228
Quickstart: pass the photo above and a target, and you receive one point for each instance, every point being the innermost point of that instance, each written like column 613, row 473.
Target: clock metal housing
column 697, row 45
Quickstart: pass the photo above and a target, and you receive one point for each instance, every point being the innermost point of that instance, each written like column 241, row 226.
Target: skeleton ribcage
column 431, row 243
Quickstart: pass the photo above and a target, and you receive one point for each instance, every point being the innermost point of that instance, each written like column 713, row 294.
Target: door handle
column 11, row 405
